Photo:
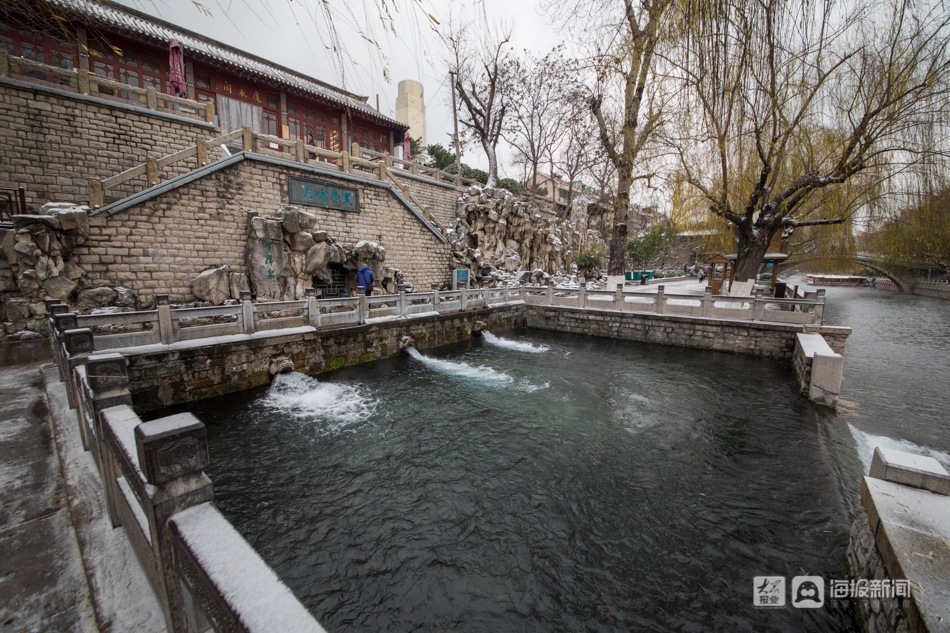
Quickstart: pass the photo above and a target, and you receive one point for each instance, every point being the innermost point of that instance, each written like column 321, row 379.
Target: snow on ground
column 122, row 595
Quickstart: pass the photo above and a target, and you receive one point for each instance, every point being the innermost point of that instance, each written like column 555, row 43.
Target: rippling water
column 591, row 485
column 897, row 366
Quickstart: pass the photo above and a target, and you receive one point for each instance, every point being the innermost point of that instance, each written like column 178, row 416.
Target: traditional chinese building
column 131, row 48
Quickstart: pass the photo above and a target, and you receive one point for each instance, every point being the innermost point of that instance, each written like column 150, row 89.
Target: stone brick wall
column 876, row 615
column 754, row 339
column 51, row 144
column 440, row 199
column 935, row 289
column 166, row 378
column 160, row 245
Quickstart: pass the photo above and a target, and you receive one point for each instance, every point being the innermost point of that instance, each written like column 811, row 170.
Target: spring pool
column 537, row 482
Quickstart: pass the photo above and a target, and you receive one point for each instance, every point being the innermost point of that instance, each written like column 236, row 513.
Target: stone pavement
column 42, row 583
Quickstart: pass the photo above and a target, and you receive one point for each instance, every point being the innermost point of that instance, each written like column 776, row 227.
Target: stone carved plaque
column 315, row 193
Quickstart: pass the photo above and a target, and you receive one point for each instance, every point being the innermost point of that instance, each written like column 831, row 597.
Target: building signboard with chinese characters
column 315, row 193
column 236, row 90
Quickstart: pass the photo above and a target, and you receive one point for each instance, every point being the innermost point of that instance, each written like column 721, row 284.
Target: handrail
column 249, row 317
column 156, row 490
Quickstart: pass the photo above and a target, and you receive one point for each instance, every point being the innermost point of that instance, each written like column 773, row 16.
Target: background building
column 411, row 109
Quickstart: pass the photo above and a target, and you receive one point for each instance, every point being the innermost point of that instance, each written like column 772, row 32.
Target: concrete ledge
column 911, row 529
column 819, row 368
column 916, row 471
column 256, row 599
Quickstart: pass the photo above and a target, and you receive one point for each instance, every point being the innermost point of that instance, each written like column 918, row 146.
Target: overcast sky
column 284, row 32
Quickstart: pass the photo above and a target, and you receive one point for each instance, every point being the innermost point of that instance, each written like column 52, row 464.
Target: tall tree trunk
column 751, row 252
column 492, row 164
column 615, row 260
column 618, row 239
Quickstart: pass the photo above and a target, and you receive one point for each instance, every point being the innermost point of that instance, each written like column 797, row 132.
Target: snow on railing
column 204, row 574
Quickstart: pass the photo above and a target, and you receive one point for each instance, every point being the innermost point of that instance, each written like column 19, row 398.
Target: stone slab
column 812, row 344
column 912, row 531
column 917, row 471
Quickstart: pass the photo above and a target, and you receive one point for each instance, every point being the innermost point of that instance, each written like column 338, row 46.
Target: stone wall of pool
column 167, row 375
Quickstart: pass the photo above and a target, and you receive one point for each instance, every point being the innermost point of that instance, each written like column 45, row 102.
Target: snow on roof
column 126, row 21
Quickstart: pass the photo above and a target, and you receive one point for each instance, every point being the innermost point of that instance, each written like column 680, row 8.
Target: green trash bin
column 636, row 275
column 628, row 276
column 649, row 274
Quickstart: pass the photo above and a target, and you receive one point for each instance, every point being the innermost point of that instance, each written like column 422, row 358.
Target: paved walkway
column 42, row 583
column 62, row 565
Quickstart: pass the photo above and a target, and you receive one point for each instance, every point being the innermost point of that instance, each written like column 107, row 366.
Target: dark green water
column 596, row 486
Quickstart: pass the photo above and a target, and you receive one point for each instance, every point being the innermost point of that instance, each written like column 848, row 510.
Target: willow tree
column 784, row 99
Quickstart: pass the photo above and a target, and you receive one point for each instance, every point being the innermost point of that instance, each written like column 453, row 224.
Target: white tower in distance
column 411, row 109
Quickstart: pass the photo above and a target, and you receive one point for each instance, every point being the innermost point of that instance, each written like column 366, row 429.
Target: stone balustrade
column 167, row 325
column 204, row 574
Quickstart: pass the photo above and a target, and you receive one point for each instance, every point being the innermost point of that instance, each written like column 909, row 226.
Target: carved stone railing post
column 313, row 309
column 78, row 344
column 54, row 307
column 172, row 453
column 435, row 296
column 247, row 139
column 660, row 299
column 248, row 326
column 618, row 297
column 506, row 294
column 96, row 194
column 166, row 327
column 151, row 171
column 108, row 380
column 201, row 153
column 549, row 295
column 151, row 99
column 758, row 305
column 463, row 298
column 582, row 297
column 402, row 300
column 707, row 302
column 820, row 307
column 345, row 162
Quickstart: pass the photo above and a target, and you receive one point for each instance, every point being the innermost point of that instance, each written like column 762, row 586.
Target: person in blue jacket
column 365, row 278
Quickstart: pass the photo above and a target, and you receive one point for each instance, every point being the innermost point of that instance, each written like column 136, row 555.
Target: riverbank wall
column 170, row 365
column 896, row 557
column 162, row 376
column 935, row 289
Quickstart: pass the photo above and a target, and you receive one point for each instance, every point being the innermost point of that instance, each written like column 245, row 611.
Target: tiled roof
column 130, row 22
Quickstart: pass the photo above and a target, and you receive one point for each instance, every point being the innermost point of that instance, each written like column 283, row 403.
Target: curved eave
column 360, row 107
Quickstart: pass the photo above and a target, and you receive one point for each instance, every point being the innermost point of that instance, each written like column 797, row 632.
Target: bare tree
column 628, row 58
column 538, row 112
column 788, row 98
column 482, row 80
